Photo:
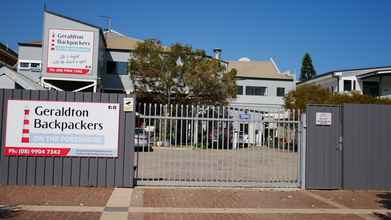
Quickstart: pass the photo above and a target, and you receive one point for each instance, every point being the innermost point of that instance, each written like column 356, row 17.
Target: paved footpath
column 22, row 202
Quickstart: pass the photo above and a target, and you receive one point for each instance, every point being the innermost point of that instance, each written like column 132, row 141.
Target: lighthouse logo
column 26, row 126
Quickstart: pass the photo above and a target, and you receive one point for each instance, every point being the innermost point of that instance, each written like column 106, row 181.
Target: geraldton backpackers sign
column 61, row 129
column 70, row 51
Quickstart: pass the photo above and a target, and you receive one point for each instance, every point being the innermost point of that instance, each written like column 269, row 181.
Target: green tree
column 307, row 71
column 179, row 74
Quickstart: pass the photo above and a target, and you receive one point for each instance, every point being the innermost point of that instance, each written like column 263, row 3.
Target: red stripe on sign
column 25, row 131
column 67, row 70
column 36, row 151
column 25, row 140
column 26, row 122
column 26, row 111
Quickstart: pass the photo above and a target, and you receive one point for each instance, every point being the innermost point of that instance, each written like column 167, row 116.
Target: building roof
column 35, row 43
column 330, row 73
column 258, row 69
column 22, row 80
column 7, row 55
column 119, row 41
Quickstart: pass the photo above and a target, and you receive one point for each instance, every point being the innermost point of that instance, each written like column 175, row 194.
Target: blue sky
column 337, row 33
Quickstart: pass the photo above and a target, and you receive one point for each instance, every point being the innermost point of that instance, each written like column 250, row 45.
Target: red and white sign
column 60, row 129
column 70, row 51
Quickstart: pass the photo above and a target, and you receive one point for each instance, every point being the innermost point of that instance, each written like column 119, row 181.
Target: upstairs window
column 32, row 65
column 347, row 85
column 255, row 90
column 35, row 67
column 239, row 90
column 24, row 65
column 280, row 91
column 120, row 68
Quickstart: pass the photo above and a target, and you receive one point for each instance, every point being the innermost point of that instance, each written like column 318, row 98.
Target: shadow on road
column 385, row 201
column 8, row 212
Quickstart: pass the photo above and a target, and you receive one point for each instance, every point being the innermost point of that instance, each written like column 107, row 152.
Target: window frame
column 283, row 91
column 251, row 90
column 29, row 65
column 241, row 88
column 116, row 71
column 24, row 67
column 344, row 85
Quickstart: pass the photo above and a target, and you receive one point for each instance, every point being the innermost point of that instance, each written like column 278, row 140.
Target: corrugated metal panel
column 323, row 159
column 70, row 171
column 367, row 146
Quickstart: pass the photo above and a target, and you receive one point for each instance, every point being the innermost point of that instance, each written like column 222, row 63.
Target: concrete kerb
column 221, row 188
column 118, row 204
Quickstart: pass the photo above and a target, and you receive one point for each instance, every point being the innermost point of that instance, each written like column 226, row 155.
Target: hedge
column 315, row 94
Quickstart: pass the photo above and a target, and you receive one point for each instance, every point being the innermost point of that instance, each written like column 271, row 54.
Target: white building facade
column 372, row 81
column 260, row 84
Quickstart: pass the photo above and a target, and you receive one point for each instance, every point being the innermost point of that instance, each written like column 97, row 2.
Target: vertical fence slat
column 4, row 159
column 13, row 161
column 128, row 136
column 110, row 173
column 3, row 171
column 119, row 162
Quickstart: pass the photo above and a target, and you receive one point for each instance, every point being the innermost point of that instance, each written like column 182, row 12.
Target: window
column 24, row 65
column 120, row 68
column 347, row 85
column 239, row 90
column 280, row 91
column 354, row 84
column 35, row 66
column 255, row 90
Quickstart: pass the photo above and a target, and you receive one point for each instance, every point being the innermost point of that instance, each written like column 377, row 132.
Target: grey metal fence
column 351, row 152
column 69, row 171
column 216, row 146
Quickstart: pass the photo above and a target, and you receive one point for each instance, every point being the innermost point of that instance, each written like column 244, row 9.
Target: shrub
column 314, row 94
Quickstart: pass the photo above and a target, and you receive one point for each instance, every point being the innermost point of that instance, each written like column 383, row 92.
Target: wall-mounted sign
column 60, row 129
column 244, row 116
column 128, row 104
column 70, row 51
column 323, row 118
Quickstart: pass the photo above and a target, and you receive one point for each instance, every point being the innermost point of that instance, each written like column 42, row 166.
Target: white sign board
column 323, row 118
column 70, row 51
column 61, row 129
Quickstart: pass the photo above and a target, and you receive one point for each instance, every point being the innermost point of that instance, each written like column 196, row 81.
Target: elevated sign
column 70, row 51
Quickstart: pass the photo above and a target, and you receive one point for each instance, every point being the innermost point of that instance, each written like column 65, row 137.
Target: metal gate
column 324, row 151
column 194, row 145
